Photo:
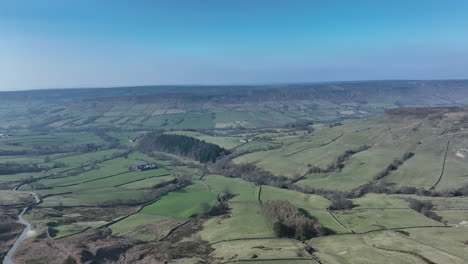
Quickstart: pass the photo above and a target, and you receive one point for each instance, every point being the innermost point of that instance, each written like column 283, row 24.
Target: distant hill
column 206, row 107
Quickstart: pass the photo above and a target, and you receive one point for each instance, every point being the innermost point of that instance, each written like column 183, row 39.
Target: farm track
column 323, row 145
column 443, row 167
column 24, row 234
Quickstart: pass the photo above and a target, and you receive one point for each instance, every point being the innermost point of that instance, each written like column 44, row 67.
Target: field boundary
column 323, row 145
column 443, row 167
column 96, row 179
column 162, row 175
column 421, row 257
column 339, row 223
column 249, row 238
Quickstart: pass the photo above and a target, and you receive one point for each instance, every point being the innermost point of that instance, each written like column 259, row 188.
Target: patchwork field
column 92, row 194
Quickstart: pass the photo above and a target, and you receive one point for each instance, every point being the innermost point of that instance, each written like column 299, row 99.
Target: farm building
column 143, row 166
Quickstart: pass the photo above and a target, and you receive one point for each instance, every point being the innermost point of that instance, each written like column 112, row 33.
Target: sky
column 88, row 43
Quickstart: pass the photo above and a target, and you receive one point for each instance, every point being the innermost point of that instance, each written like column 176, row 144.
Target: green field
column 146, row 227
column 245, row 221
column 181, row 204
column 382, row 246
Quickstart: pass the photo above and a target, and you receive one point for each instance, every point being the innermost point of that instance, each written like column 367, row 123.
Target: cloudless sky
column 91, row 43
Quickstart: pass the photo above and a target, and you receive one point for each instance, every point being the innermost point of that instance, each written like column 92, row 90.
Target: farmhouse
column 143, row 166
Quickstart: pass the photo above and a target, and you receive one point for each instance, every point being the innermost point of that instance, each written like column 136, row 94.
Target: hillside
column 435, row 136
column 208, row 107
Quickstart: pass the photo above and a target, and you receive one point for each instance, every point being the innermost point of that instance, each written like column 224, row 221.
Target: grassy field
column 146, row 227
column 386, row 246
column 245, row 221
column 8, row 198
column 225, row 142
column 260, row 250
column 101, row 182
column 243, row 191
column 181, row 204
column 372, row 219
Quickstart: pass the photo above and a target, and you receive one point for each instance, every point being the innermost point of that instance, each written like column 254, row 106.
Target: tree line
column 184, row 146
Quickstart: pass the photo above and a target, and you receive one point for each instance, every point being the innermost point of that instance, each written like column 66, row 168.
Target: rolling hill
column 220, row 107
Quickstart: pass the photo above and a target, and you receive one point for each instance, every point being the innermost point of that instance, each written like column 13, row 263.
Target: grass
column 262, row 249
column 148, row 183
column 454, row 217
column 65, row 230
column 245, row 221
column 98, row 197
column 374, row 200
column 373, row 219
column 144, row 227
column 358, row 249
column 244, row 191
column 313, row 204
column 20, row 176
column 107, row 168
column 14, row 198
column 86, row 158
column 180, row 204
column 222, row 141
column 452, row 240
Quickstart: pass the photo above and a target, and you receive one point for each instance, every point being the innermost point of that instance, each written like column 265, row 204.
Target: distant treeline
column 12, row 168
column 181, row 145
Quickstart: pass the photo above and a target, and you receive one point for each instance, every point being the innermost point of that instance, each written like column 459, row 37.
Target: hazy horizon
column 56, row 44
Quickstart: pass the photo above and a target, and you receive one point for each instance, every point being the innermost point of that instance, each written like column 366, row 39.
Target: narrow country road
column 24, row 234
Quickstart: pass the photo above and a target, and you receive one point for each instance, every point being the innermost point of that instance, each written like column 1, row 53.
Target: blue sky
column 89, row 43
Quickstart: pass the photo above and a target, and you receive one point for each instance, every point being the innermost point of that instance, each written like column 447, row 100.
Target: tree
column 339, row 202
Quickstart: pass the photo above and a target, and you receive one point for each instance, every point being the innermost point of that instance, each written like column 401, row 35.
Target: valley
column 377, row 172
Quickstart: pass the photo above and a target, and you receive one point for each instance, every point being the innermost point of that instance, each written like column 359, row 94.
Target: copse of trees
column 339, row 202
column 181, row 145
column 289, row 221
column 423, row 207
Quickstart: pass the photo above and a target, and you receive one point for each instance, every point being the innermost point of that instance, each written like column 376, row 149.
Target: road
column 24, row 234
